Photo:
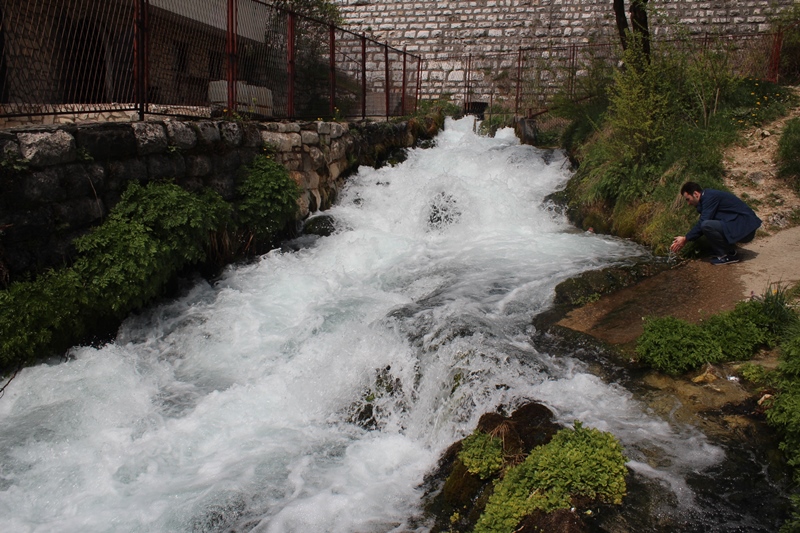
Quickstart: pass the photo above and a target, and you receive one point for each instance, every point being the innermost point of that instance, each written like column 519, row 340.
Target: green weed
column 482, row 454
column 789, row 152
column 577, row 463
column 675, row 346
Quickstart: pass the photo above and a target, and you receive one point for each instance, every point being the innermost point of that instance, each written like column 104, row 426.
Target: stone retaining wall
column 444, row 32
column 56, row 182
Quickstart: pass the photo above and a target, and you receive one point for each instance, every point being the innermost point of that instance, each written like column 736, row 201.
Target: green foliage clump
column 269, row 197
column 784, row 412
column 37, row 315
column 669, row 117
column 444, row 106
column 482, row 454
column 675, row 346
column 579, row 462
column 789, row 152
column 740, row 332
column 153, row 233
column 150, row 235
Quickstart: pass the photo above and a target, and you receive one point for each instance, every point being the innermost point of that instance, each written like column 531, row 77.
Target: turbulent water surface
column 311, row 391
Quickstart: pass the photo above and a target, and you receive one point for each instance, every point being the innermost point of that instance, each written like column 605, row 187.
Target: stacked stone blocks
column 57, row 182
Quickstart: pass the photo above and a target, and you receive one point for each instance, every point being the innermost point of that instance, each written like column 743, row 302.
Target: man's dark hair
column 690, row 188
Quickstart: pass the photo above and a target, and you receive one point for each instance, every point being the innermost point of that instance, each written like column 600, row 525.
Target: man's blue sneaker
column 725, row 260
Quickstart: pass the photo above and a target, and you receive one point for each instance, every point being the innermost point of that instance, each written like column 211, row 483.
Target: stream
column 312, row 390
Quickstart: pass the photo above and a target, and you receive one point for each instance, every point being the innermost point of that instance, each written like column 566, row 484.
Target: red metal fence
column 196, row 58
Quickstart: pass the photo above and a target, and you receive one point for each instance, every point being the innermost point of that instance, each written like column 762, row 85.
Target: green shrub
column 740, row 332
column 638, row 108
column 482, row 454
column 675, row 346
column 444, row 106
column 269, row 198
column 789, row 151
column 37, row 315
column 577, row 463
column 150, row 235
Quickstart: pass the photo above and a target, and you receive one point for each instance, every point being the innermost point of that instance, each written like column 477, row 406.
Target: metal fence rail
column 524, row 82
column 82, row 59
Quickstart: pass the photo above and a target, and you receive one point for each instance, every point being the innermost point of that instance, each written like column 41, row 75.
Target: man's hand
column 677, row 244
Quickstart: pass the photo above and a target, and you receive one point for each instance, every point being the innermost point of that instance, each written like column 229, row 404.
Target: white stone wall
column 445, row 32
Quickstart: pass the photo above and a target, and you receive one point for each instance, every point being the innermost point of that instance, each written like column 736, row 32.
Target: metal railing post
column 363, row 77
column 419, row 83
column 290, row 66
column 140, row 53
column 332, row 40
column 775, row 57
column 403, row 94
column 232, row 51
column 386, row 73
column 466, row 83
column 519, row 84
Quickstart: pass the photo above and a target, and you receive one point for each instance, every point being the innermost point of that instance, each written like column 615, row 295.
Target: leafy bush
column 789, row 151
column 579, row 462
column 783, row 411
column 739, row 332
column 269, row 197
column 675, row 346
column 482, row 454
column 151, row 235
column 37, row 315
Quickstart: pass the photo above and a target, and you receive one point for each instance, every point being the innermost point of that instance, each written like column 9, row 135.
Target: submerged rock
column 321, row 225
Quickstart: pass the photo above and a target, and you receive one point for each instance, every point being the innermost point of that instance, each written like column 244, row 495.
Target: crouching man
column 724, row 220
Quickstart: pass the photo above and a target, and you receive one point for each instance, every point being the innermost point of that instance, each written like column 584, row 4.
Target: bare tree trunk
column 639, row 23
column 622, row 22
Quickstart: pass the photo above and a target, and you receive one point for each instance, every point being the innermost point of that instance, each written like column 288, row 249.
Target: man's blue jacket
column 738, row 220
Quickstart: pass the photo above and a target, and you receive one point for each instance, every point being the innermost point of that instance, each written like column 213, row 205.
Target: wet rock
column 456, row 498
column 559, row 521
column 321, row 225
column 590, row 285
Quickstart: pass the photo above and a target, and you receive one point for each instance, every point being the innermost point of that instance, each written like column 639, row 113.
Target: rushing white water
column 312, row 391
